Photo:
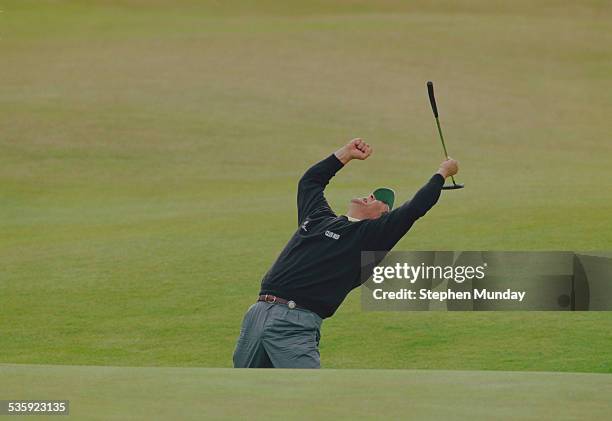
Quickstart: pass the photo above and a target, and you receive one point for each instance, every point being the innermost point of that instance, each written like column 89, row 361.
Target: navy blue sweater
column 321, row 263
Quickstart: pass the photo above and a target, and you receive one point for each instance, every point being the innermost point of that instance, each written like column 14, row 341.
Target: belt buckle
column 271, row 296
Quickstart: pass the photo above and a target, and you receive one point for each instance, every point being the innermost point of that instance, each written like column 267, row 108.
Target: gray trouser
column 273, row 335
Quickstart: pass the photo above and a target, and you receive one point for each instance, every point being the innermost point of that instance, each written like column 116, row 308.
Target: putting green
column 150, row 151
column 107, row 393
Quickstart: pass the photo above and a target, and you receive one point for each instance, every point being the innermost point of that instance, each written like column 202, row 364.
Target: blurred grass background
column 149, row 154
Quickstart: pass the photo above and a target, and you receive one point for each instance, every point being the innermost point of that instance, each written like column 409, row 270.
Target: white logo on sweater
column 332, row 235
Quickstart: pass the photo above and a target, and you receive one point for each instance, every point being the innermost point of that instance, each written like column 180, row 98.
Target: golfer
column 321, row 263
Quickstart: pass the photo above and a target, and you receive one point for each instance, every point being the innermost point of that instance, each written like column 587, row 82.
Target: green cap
column 385, row 195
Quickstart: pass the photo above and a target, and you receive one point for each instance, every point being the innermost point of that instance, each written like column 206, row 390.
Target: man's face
column 367, row 207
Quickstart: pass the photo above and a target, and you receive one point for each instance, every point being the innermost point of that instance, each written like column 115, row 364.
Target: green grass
column 109, row 393
column 149, row 155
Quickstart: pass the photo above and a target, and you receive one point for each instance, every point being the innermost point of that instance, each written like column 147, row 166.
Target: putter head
column 453, row 187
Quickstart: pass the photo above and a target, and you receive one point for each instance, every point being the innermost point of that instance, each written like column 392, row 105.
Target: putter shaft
column 443, row 144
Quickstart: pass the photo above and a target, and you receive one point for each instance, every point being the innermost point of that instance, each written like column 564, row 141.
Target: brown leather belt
column 268, row 298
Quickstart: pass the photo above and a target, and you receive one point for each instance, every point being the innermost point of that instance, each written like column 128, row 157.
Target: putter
column 434, row 107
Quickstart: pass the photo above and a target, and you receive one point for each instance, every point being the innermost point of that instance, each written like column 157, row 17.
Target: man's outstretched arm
column 312, row 184
column 383, row 233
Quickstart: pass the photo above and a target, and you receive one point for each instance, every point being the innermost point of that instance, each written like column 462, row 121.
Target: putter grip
column 432, row 98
